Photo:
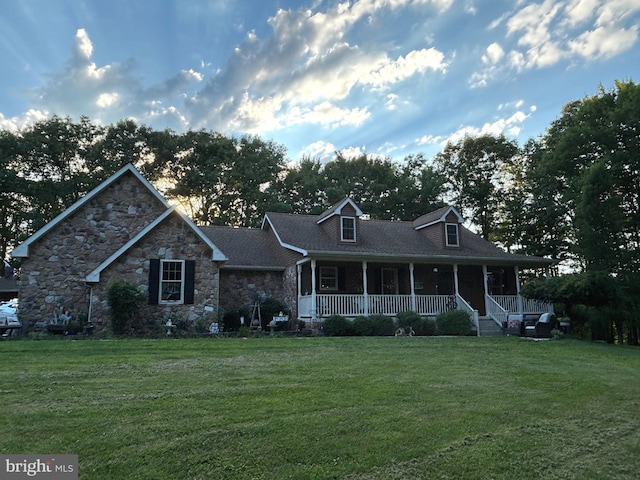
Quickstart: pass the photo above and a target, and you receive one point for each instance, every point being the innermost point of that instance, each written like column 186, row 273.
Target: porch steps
column 489, row 328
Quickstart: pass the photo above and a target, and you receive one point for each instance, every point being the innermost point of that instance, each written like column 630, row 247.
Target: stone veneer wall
column 52, row 275
column 173, row 239
column 239, row 288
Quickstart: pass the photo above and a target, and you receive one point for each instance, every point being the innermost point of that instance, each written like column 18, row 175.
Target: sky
column 378, row 77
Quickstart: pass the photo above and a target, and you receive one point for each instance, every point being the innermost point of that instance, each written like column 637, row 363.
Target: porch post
column 520, row 305
column 365, row 287
column 314, row 305
column 412, row 281
column 455, row 279
column 299, row 280
column 485, row 275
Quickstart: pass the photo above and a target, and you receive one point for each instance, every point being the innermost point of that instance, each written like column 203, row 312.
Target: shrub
column 337, row 325
column 362, row 326
column 382, row 325
column 453, row 322
column 231, row 318
column 420, row 325
column 125, row 301
column 271, row 307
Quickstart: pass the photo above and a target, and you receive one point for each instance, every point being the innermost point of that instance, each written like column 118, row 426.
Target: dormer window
column 348, row 229
column 451, row 235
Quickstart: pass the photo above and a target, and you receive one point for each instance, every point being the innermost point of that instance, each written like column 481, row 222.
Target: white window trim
column 161, row 282
column 334, row 275
column 355, row 233
column 446, row 234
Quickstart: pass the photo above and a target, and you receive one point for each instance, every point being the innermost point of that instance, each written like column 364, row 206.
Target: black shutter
column 189, row 281
column 154, row 280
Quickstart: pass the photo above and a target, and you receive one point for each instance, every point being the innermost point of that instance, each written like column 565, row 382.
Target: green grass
column 321, row 408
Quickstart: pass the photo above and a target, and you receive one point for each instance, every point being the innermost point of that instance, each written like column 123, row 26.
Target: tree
column 473, row 169
column 591, row 164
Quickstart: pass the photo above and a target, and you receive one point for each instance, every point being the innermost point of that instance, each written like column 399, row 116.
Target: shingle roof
column 247, row 247
column 380, row 238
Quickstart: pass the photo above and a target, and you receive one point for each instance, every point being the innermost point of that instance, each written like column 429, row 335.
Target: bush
column 382, row 325
column 454, row 322
column 420, row 325
column 125, row 301
column 362, row 326
column 270, row 308
column 337, row 326
column 231, row 319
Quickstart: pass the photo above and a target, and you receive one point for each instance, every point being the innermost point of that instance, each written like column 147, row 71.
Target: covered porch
column 353, row 288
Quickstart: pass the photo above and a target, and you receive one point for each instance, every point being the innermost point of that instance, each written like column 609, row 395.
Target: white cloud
column 493, row 54
column 539, row 35
column 106, row 99
column 417, row 61
column 509, row 125
column 320, row 150
column 18, row 122
column 604, row 42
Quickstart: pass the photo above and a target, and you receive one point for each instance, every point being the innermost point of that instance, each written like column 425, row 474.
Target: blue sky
column 383, row 77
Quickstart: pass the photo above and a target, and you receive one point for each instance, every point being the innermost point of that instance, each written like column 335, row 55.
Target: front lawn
column 321, row 408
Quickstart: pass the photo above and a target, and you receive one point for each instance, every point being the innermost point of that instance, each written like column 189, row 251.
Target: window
column 328, row 278
column 172, row 281
column 451, row 234
column 348, row 230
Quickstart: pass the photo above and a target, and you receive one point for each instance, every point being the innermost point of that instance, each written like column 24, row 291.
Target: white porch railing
column 500, row 306
column 354, row 305
column 496, row 311
column 475, row 318
column 513, row 304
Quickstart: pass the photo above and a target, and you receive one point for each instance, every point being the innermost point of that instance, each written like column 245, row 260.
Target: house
column 123, row 229
column 338, row 262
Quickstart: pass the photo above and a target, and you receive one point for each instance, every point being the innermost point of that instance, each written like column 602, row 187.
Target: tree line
column 572, row 194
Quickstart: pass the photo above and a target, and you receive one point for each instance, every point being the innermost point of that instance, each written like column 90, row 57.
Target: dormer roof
column 336, row 209
column 436, row 216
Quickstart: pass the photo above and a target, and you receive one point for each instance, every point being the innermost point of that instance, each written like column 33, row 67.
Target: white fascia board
column 282, row 244
column 338, row 210
column 443, row 218
column 217, row 254
column 94, row 276
column 22, row 250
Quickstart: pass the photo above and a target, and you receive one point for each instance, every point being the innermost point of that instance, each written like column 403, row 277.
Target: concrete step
column 489, row 328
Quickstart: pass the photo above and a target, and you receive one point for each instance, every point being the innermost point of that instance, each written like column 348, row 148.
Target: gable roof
column 216, row 255
column 22, row 250
column 389, row 240
column 437, row 216
column 336, row 209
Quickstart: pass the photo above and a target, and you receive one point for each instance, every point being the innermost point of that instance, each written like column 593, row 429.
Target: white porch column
column 299, row 268
column 365, row 287
column 516, row 269
column 314, row 300
column 485, row 275
column 412, row 281
column 455, row 279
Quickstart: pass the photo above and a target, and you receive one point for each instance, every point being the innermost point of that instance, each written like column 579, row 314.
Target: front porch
column 499, row 307
column 364, row 288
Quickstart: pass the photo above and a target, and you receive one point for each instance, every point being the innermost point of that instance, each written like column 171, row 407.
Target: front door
column 390, row 281
column 445, row 283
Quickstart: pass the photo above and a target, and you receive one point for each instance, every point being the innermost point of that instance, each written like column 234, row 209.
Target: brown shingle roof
column 382, row 238
column 247, row 247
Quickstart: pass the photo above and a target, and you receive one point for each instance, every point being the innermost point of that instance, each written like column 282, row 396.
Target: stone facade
column 241, row 288
column 173, row 239
column 58, row 262
column 54, row 271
